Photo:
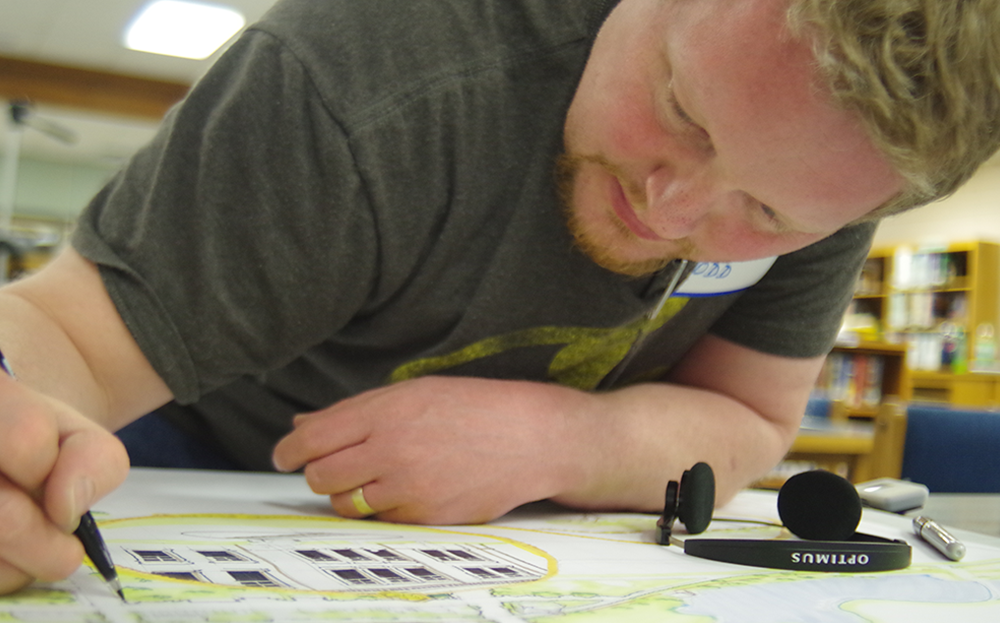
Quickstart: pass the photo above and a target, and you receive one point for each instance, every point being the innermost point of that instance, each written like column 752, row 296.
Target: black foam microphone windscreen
column 819, row 505
column 697, row 498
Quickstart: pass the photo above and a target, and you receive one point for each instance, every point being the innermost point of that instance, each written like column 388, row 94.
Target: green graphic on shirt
column 589, row 355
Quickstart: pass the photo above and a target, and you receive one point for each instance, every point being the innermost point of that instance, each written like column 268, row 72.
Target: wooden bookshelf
column 932, row 300
column 968, row 389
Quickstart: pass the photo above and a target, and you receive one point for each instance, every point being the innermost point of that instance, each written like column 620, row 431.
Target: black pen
column 87, row 532
column 94, row 546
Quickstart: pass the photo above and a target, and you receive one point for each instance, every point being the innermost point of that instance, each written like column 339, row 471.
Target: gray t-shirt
column 362, row 192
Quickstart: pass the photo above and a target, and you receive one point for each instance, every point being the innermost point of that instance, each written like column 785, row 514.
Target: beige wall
column 972, row 213
column 56, row 191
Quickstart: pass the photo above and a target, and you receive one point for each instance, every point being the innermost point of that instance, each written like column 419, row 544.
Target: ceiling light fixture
column 179, row 28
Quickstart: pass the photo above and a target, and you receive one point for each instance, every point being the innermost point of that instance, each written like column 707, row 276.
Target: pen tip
column 116, row 586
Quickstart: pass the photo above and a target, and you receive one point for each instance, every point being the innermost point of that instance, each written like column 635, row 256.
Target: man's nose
column 680, row 199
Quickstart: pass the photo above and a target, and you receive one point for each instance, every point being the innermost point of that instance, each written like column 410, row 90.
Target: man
column 348, row 239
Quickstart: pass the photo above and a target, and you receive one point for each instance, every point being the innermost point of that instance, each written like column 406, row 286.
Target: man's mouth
column 626, row 213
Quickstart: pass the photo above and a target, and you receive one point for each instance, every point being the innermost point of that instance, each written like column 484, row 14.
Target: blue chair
column 952, row 450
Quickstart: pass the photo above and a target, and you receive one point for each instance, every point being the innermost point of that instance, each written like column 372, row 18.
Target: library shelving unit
column 934, row 300
column 911, row 309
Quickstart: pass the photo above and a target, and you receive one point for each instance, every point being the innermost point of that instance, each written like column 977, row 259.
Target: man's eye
column 772, row 219
column 680, row 113
column 689, row 125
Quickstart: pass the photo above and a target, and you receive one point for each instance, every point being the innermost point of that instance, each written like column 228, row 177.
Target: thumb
column 92, row 462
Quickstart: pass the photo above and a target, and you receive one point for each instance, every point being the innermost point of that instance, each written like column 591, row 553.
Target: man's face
column 701, row 130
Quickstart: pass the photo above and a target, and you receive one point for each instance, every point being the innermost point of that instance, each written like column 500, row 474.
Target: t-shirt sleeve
column 242, row 235
column 797, row 309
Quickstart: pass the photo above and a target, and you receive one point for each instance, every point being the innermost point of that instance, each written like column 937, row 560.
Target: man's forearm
column 44, row 358
column 646, row 435
column 65, row 339
column 733, row 407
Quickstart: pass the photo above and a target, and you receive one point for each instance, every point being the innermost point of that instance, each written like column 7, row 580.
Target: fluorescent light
column 185, row 29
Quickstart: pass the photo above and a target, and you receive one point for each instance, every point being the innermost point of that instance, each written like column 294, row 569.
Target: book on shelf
column 855, row 379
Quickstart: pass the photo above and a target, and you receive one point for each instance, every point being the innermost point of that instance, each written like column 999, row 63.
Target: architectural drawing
column 327, row 554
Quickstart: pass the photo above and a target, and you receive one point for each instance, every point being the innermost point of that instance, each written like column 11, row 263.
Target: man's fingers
column 361, row 501
column 342, row 471
column 381, row 501
column 54, row 464
column 30, row 544
column 30, row 440
column 12, row 578
column 92, row 462
column 317, row 435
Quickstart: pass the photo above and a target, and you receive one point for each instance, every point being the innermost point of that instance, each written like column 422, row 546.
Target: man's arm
column 733, row 407
column 79, row 375
column 454, row 450
column 61, row 332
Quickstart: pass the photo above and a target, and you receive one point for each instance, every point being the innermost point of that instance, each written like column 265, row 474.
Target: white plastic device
column 893, row 495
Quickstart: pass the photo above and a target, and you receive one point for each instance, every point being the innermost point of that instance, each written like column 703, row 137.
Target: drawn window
column 386, row 554
column 439, row 555
column 314, row 555
column 352, row 576
column 253, row 578
column 350, row 554
column 480, row 573
column 182, row 575
column 388, row 575
column 423, row 573
column 156, row 555
column 222, row 556
column 464, row 555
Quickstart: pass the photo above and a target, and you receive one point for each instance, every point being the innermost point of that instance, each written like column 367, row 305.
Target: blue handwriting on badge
column 718, row 278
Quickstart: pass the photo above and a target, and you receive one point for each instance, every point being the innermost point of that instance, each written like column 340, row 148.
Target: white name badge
column 718, row 278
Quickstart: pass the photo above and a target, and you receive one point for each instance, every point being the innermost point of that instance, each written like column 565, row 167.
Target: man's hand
column 462, row 450
column 441, row 450
column 54, row 464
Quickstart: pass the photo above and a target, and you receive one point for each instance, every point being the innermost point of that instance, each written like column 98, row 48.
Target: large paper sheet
column 228, row 547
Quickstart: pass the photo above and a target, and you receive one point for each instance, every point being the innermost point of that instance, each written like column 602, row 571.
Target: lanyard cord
column 680, row 273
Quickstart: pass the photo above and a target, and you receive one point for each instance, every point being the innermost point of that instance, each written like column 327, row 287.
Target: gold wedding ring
column 360, row 503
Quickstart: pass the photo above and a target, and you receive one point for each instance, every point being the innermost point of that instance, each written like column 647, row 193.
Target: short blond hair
column 924, row 76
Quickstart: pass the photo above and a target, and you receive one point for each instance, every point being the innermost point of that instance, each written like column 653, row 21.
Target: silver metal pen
column 942, row 540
